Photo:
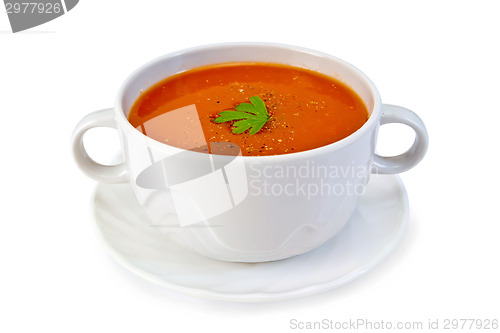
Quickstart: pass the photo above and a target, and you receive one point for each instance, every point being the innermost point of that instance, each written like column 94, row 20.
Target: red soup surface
column 307, row 109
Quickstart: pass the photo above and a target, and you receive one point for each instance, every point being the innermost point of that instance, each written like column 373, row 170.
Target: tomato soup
column 306, row 109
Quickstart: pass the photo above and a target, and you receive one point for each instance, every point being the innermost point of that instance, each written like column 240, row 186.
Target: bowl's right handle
column 410, row 158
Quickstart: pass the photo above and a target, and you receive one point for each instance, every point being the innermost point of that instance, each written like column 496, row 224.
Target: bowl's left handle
column 99, row 172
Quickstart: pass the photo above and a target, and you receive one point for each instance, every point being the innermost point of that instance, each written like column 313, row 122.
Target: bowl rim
column 372, row 121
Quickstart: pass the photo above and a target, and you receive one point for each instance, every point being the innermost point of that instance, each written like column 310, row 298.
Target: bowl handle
column 102, row 173
column 410, row 158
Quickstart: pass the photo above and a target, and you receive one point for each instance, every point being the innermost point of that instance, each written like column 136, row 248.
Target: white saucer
column 372, row 233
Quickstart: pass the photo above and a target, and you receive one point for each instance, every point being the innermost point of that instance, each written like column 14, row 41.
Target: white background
column 438, row 58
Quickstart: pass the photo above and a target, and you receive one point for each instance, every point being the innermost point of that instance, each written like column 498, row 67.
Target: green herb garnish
column 250, row 116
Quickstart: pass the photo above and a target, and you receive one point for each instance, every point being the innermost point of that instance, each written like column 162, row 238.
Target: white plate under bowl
column 372, row 233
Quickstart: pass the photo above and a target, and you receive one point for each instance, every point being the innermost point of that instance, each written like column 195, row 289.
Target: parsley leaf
column 251, row 116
